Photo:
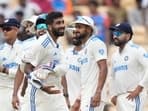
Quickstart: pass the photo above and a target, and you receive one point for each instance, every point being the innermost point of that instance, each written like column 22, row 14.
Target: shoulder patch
column 101, row 51
column 2, row 47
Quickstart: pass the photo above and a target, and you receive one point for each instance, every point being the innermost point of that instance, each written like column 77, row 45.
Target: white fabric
column 73, row 76
column 42, row 101
column 123, row 104
column 9, row 55
column 5, row 101
column 44, row 53
column 86, row 21
column 93, row 51
column 129, row 69
column 87, row 107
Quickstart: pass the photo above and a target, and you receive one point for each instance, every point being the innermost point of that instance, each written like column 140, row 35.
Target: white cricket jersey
column 93, row 51
column 27, row 44
column 45, row 52
column 128, row 68
column 9, row 55
column 73, row 76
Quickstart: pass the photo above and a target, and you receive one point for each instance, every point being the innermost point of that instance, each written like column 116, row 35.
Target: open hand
column 50, row 90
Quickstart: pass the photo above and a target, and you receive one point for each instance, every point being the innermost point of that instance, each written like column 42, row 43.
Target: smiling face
column 57, row 27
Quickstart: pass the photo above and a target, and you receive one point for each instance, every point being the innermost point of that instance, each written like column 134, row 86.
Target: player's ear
column 128, row 36
column 49, row 27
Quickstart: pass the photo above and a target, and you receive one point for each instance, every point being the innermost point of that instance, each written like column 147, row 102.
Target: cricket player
column 129, row 70
column 44, row 56
column 17, row 98
column 10, row 53
column 40, row 28
column 93, row 65
column 73, row 81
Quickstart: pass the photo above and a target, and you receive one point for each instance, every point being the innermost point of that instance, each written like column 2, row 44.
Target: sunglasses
column 117, row 33
column 7, row 29
column 41, row 27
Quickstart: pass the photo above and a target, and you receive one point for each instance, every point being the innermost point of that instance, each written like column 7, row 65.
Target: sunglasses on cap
column 7, row 29
column 41, row 27
column 117, row 33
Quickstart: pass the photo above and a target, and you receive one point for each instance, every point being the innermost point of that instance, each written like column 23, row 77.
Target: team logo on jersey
column 101, row 51
column 145, row 55
column 55, row 54
column 82, row 60
column 126, row 58
column 3, row 59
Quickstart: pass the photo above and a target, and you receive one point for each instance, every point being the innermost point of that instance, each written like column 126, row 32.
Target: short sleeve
column 99, row 50
column 34, row 55
column 143, row 60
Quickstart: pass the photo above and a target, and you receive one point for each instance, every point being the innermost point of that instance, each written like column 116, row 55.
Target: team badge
column 101, row 51
column 145, row 55
column 126, row 58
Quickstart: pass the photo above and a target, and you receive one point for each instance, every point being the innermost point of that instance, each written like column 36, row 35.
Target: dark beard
column 120, row 43
column 82, row 36
column 77, row 42
column 56, row 33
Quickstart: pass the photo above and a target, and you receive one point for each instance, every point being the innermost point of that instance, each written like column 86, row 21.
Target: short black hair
column 94, row 3
column 53, row 15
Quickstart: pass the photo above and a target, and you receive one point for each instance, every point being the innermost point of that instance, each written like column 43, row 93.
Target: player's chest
column 86, row 57
column 10, row 53
column 53, row 53
column 124, row 61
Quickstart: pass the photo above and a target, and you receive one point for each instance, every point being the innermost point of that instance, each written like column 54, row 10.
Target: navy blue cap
column 123, row 27
column 41, row 19
column 41, row 22
column 10, row 22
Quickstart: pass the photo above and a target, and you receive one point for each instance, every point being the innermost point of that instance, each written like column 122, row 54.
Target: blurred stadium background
column 109, row 12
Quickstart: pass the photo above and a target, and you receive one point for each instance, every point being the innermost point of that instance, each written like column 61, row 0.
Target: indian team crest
column 145, row 55
column 101, row 51
column 126, row 58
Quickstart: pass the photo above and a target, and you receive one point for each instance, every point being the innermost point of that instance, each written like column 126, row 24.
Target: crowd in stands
column 104, row 12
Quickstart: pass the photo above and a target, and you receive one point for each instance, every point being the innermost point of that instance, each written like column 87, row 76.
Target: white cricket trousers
column 5, row 99
column 85, row 105
column 123, row 104
column 37, row 100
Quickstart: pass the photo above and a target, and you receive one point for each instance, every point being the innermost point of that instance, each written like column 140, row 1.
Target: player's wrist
column 99, row 91
column 43, row 88
column 139, row 88
column 66, row 95
column 14, row 94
